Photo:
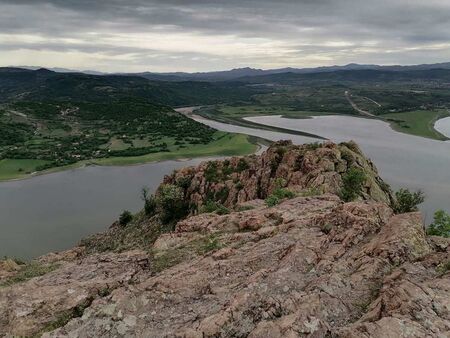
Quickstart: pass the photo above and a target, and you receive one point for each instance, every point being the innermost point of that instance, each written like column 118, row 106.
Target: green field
column 419, row 123
column 10, row 169
column 224, row 144
column 51, row 121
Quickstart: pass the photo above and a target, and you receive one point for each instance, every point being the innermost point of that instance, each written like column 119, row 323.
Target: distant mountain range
column 238, row 73
column 47, row 85
column 60, row 70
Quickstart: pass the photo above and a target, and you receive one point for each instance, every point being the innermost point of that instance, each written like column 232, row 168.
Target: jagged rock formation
column 312, row 266
column 304, row 167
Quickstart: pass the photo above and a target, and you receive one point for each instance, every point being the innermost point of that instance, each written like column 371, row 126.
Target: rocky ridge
column 311, row 266
column 314, row 167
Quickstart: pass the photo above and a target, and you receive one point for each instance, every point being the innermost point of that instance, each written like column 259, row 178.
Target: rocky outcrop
column 51, row 300
column 309, row 168
column 312, row 266
column 8, row 268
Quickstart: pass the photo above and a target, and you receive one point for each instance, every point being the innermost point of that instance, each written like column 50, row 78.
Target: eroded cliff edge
column 311, row 266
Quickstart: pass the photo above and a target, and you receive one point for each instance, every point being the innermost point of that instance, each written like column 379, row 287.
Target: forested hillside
column 50, row 119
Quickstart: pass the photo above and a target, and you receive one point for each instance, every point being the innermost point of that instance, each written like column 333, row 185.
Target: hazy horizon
column 211, row 35
column 211, row 70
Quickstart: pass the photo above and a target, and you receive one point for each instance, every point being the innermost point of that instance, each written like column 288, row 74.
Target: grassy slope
column 419, row 123
column 10, row 169
column 225, row 144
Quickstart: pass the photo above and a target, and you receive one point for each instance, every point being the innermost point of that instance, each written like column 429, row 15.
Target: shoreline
column 243, row 122
column 431, row 126
column 258, row 144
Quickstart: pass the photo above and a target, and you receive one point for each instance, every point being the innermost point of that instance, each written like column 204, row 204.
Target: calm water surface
column 53, row 212
column 443, row 126
column 402, row 160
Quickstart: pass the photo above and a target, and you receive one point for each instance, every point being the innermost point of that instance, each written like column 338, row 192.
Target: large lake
column 53, row 212
column 443, row 126
column 402, row 160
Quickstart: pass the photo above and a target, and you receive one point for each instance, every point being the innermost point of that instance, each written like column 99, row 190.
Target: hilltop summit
column 234, row 265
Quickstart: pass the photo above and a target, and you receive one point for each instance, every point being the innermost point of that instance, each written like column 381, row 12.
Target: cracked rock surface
column 308, row 267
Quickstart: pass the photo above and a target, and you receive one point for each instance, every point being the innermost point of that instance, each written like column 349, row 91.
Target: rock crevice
column 311, row 266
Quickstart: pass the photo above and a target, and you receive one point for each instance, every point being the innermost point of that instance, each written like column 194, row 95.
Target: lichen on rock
column 311, row 266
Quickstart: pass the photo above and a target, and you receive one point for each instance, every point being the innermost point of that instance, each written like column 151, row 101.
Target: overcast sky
column 202, row 35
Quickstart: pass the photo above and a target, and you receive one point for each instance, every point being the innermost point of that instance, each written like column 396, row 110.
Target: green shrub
column 443, row 267
column 352, row 146
column 149, row 202
column 280, row 183
column 242, row 165
column 407, row 201
column 184, row 182
column 28, row 271
column 347, row 155
column 311, row 192
column 211, row 206
column 125, row 218
column 208, row 244
column 211, row 172
column 272, row 200
column 222, row 210
column 208, row 207
column 63, row 317
column 279, row 193
column 170, row 203
column 227, row 169
column 313, row 146
column 239, row 186
column 441, row 224
column 281, row 150
column 222, row 194
column 283, row 193
column 353, row 182
column 326, row 228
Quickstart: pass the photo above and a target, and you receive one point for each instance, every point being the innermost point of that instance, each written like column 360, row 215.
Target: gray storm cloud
column 201, row 35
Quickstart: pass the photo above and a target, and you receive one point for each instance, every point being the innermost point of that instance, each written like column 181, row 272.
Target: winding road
column 355, row 107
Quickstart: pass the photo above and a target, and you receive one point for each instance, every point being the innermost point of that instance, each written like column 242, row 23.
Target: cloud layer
column 200, row 35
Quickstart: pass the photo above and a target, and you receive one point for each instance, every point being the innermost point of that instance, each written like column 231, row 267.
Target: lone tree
column 407, row 201
column 125, row 218
column 441, row 224
column 170, row 203
column 353, row 182
column 149, row 202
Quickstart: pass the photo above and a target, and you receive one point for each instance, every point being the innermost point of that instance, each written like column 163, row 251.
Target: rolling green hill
column 42, row 84
column 58, row 119
column 50, row 119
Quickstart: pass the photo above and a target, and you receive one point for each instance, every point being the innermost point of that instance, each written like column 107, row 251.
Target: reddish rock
column 308, row 267
column 304, row 167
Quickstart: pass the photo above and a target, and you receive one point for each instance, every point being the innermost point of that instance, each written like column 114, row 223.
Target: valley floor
column 225, row 144
column 418, row 123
